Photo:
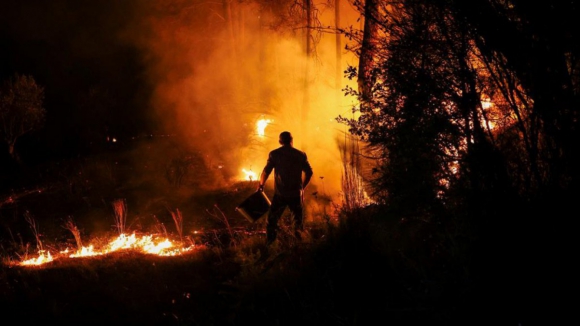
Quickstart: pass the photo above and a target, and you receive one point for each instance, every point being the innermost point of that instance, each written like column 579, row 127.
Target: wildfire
column 250, row 175
column 146, row 244
column 261, row 126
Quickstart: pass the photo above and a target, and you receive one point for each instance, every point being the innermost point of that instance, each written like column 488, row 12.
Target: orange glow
column 146, row 244
column 216, row 103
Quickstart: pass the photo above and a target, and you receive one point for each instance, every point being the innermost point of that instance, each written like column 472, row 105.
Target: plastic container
column 255, row 206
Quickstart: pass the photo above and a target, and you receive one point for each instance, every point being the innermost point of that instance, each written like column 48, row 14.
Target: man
column 292, row 173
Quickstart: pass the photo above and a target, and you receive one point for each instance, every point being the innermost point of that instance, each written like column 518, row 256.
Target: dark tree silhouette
column 21, row 109
column 471, row 109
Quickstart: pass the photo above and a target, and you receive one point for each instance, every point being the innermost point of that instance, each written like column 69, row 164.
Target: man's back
column 288, row 164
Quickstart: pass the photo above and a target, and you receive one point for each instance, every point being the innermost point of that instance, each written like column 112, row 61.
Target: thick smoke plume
column 216, row 69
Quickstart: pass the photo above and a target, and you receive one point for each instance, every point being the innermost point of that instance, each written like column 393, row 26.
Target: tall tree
column 338, row 45
column 400, row 107
column 308, row 53
column 370, row 10
column 21, row 109
column 474, row 108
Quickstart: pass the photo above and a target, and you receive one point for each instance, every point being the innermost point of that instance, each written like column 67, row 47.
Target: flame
column 146, row 244
column 84, row 252
column 43, row 257
column 261, row 126
column 249, row 175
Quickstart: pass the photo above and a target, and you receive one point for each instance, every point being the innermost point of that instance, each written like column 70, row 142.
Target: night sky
column 94, row 81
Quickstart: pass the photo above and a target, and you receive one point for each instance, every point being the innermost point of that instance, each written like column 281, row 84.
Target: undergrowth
column 350, row 267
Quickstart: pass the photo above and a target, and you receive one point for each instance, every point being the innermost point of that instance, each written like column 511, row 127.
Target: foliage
column 454, row 105
column 471, row 116
column 409, row 121
column 21, row 109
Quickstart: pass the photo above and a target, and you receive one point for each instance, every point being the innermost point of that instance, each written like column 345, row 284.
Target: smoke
column 216, row 70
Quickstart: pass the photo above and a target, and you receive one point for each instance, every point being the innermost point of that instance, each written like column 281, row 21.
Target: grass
column 346, row 275
column 352, row 267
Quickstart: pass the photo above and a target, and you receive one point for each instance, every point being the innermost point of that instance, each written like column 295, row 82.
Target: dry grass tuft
column 71, row 226
column 178, row 220
column 352, row 181
column 219, row 215
column 32, row 223
column 120, row 210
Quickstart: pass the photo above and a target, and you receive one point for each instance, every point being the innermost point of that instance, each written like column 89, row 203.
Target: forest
column 443, row 137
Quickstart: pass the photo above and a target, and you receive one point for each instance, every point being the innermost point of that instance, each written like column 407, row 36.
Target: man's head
column 285, row 138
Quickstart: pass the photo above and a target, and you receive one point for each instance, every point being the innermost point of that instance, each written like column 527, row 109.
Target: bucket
column 255, row 206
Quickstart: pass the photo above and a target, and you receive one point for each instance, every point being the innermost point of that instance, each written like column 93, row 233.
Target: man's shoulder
column 289, row 150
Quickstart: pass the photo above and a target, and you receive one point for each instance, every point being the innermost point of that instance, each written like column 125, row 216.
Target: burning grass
column 336, row 274
column 149, row 244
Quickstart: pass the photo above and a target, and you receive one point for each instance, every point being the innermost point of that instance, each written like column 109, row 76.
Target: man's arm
column 263, row 177
column 266, row 173
column 306, row 181
column 307, row 173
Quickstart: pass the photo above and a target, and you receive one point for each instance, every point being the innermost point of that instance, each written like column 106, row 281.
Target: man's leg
column 276, row 210
column 296, row 207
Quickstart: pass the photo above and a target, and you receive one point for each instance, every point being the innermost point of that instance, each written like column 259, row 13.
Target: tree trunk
column 367, row 51
column 338, row 45
column 308, row 53
column 227, row 4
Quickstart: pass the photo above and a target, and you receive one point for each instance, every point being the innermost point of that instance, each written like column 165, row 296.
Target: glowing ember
column 261, row 126
column 249, row 175
column 146, row 244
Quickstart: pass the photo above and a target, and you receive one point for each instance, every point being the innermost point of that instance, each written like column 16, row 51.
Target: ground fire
column 149, row 244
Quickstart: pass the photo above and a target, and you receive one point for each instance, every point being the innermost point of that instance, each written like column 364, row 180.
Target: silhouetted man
column 292, row 173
